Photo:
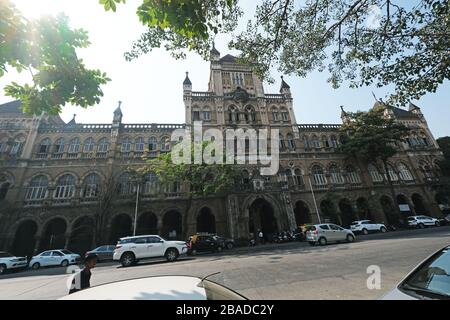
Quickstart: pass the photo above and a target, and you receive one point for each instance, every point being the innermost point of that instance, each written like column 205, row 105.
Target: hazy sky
column 151, row 86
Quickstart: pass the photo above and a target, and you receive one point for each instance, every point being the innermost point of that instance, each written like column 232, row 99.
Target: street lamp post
column 136, row 208
column 314, row 199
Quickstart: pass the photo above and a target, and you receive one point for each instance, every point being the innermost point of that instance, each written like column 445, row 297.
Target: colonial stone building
column 66, row 184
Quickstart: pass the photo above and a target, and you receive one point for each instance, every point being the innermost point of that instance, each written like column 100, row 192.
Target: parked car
column 130, row 250
column 158, row 288
column 226, row 243
column 9, row 261
column 422, row 221
column 204, row 243
column 49, row 258
column 429, row 280
column 366, row 226
column 103, row 253
column 326, row 233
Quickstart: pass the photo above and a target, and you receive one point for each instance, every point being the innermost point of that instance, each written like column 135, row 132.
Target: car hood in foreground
column 158, row 288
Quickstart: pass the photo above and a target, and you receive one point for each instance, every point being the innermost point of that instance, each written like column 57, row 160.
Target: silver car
column 429, row 281
column 327, row 232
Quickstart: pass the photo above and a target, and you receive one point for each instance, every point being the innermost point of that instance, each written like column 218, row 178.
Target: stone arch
column 403, row 200
column 329, row 211
column 82, row 235
column 72, row 173
column 363, row 209
column 54, row 235
column 172, row 224
column 347, row 213
column 420, row 205
column 121, row 226
column 389, row 210
column 206, row 221
column 302, row 213
column 147, row 223
column 25, row 238
column 262, row 218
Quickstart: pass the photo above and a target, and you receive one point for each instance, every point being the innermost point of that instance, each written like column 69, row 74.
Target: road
column 286, row 271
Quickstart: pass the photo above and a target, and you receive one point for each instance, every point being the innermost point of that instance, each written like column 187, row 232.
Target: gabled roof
column 214, row 50
column 228, row 58
column 11, row 107
column 403, row 114
column 284, row 85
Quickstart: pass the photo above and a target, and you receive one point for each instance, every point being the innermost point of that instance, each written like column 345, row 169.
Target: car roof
column 141, row 236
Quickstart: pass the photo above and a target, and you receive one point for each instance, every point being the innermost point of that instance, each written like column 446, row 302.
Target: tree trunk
column 391, row 187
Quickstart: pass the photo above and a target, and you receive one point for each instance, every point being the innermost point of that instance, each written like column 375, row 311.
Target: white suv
column 422, row 221
column 8, row 261
column 130, row 250
column 366, row 226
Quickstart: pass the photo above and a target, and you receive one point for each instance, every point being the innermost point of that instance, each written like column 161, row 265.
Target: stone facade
column 64, row 185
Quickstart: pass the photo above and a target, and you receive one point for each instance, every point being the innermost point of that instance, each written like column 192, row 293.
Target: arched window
column 37, row 189
column 392, row 174
column 306, row 142
column 325, row 142
column 195, row 113
column 374, row 173
column 336, row 175
column 334, row 141
column 352, row 175
column 206, row 114
column 284, row 115
column 250, row 115
column 165, row 144
column 298, row 177
column 3, row 145
column 290, row 141
column 139, row 144
column 233, row 115
column 125, row 185
column 319, row 176
column 282, row 144
column 103, row 145
column 404, row 172
column 88, row 145
column 274, row 114
column 44, row 146
column 245, row 177
column 426, row 170
column 152, row 144
column 151, row 185
column 4, row 187
column 65, row 187
column 126, row 145
column 315, row 142
column 16, row 149
column 91, row 186
column 59, row 146
column 74, row 145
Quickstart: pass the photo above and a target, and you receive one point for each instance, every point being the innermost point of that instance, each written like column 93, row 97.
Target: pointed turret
column 118, row 114
column 187, row 84
column 285, row 88
column 72, row 122
column 214, row 54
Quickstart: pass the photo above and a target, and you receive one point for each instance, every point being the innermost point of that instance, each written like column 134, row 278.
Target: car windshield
column 354, row 223
column 432, row 279
column 411, row 218
column 66, row 251
column 310, row 228
column 5, row 255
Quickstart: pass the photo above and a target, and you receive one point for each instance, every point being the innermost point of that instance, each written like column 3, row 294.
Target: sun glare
column 37, row 8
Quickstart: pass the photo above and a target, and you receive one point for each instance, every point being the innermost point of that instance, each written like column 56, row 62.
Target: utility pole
column 314, row 199
column 136, row 209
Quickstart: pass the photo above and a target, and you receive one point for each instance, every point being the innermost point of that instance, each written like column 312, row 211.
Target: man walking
column 82, row 279
column 261, row 237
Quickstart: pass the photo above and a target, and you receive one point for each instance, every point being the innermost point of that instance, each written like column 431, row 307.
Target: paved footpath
column 284, row 271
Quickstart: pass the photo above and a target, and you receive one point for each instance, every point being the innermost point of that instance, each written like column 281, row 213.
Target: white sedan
column 8, row 261
column 366, row 226
column 54, row 258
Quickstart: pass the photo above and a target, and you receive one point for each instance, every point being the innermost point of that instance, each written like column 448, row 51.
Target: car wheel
column 219, row 249
column 322, row 241
column 350, row 238
column 64, row 263
column 230, row 246
column 127, row 259
column 421, row 226
column 365, row 232
column 171, row 255
column 383, row 230
column 2, row 268
column 35, row 266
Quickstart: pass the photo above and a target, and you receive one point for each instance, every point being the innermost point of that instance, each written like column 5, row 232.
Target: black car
column 103, row 252
column 203, row 244
column 225, row 242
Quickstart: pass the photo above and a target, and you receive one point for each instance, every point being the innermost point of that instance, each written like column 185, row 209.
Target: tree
column 363, row 42
column 442, row 187
column 373, row 137
column 201, row 180
column 46, row 47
